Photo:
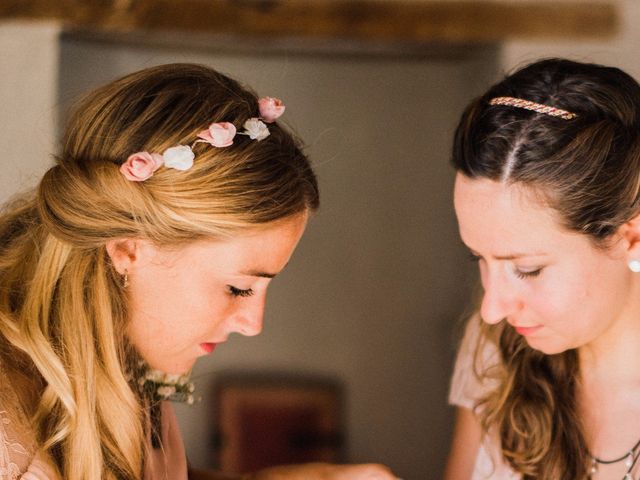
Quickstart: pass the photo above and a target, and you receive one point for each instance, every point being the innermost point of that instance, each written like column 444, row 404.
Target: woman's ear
column 123, row 253
column 630, row 233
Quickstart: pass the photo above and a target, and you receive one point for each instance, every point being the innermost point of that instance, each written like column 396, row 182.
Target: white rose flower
column 166, row 391
column 172, row 378
column 154, row 376
column 256, row 129
column 179, row 158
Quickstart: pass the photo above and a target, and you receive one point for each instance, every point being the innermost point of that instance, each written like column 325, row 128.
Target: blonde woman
column 174, row 201
column 547, row 197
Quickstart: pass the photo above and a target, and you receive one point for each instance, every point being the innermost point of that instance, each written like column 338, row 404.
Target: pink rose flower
column 270, row 108
column 140, row 166
column 219, row 134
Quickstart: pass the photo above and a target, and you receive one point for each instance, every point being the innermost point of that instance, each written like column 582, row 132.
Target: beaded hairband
column 536, row 107
column 141, row 165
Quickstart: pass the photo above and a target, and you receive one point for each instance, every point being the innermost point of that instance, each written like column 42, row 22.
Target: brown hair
column 588, row 170
column 62, row 306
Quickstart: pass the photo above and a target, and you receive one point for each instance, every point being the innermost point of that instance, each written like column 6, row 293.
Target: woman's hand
column 325, row 471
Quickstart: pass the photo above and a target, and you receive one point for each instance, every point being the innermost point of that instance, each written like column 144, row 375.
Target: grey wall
column 377, row 284
column 28, row 93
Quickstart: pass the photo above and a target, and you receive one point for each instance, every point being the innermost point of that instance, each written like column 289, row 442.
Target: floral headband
column 141, row 165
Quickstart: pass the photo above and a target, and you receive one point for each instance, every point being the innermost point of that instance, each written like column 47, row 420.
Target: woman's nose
column 248, row 320
column 499, row 299
column 251, row 326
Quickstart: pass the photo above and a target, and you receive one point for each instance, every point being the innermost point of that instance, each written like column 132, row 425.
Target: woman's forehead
column 505, row 218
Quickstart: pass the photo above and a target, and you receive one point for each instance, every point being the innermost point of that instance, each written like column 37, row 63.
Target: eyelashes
column 523, row 275
column 238, row 292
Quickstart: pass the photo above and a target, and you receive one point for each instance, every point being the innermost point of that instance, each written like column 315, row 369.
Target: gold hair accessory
column 536, row 107
column 125, row 278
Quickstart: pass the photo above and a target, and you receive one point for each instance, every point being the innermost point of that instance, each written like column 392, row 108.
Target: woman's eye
column 528, row 273
column 238, row 292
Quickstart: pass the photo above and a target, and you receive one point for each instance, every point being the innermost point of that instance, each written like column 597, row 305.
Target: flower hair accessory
column 156, row 386
column 533, row 106
column 270, row 109
column 141, row 166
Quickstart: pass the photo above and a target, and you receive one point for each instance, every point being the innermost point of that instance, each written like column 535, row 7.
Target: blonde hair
column 62, row 306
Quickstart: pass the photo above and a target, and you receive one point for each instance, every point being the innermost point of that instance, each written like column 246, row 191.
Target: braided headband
column 141, row 165
column 536, row 107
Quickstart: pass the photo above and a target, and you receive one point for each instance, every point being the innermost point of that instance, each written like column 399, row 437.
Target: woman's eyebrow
column 258, row 273
column 255, row 273
column 515, row 256
column 511, row 256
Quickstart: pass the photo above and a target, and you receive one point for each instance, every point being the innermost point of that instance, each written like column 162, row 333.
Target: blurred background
column 369, row 309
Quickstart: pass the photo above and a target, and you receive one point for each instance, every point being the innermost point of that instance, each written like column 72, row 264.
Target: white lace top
column 466, row 390
column 18, row 446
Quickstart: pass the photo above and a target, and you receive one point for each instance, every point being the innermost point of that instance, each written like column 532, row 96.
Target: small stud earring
column 125, row 277
column 634, row 266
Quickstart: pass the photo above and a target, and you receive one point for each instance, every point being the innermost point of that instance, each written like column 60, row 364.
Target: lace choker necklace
column 158, row 386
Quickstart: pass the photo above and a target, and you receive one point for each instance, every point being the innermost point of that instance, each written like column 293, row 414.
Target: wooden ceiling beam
column 378, row 20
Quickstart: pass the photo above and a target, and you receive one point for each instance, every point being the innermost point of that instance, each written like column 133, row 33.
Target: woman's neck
column 613, row 355
column 608, row 394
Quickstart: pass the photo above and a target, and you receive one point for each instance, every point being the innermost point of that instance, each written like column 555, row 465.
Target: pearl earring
column 634, row 265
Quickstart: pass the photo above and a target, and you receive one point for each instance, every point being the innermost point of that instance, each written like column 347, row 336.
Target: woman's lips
column 524, row 331
column 208, row 347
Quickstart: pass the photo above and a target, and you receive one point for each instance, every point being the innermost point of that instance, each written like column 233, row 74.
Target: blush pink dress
column 18, row 447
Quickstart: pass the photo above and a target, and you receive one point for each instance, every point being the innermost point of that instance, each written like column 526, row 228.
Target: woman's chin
column 546, row 347
column 172, row 368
